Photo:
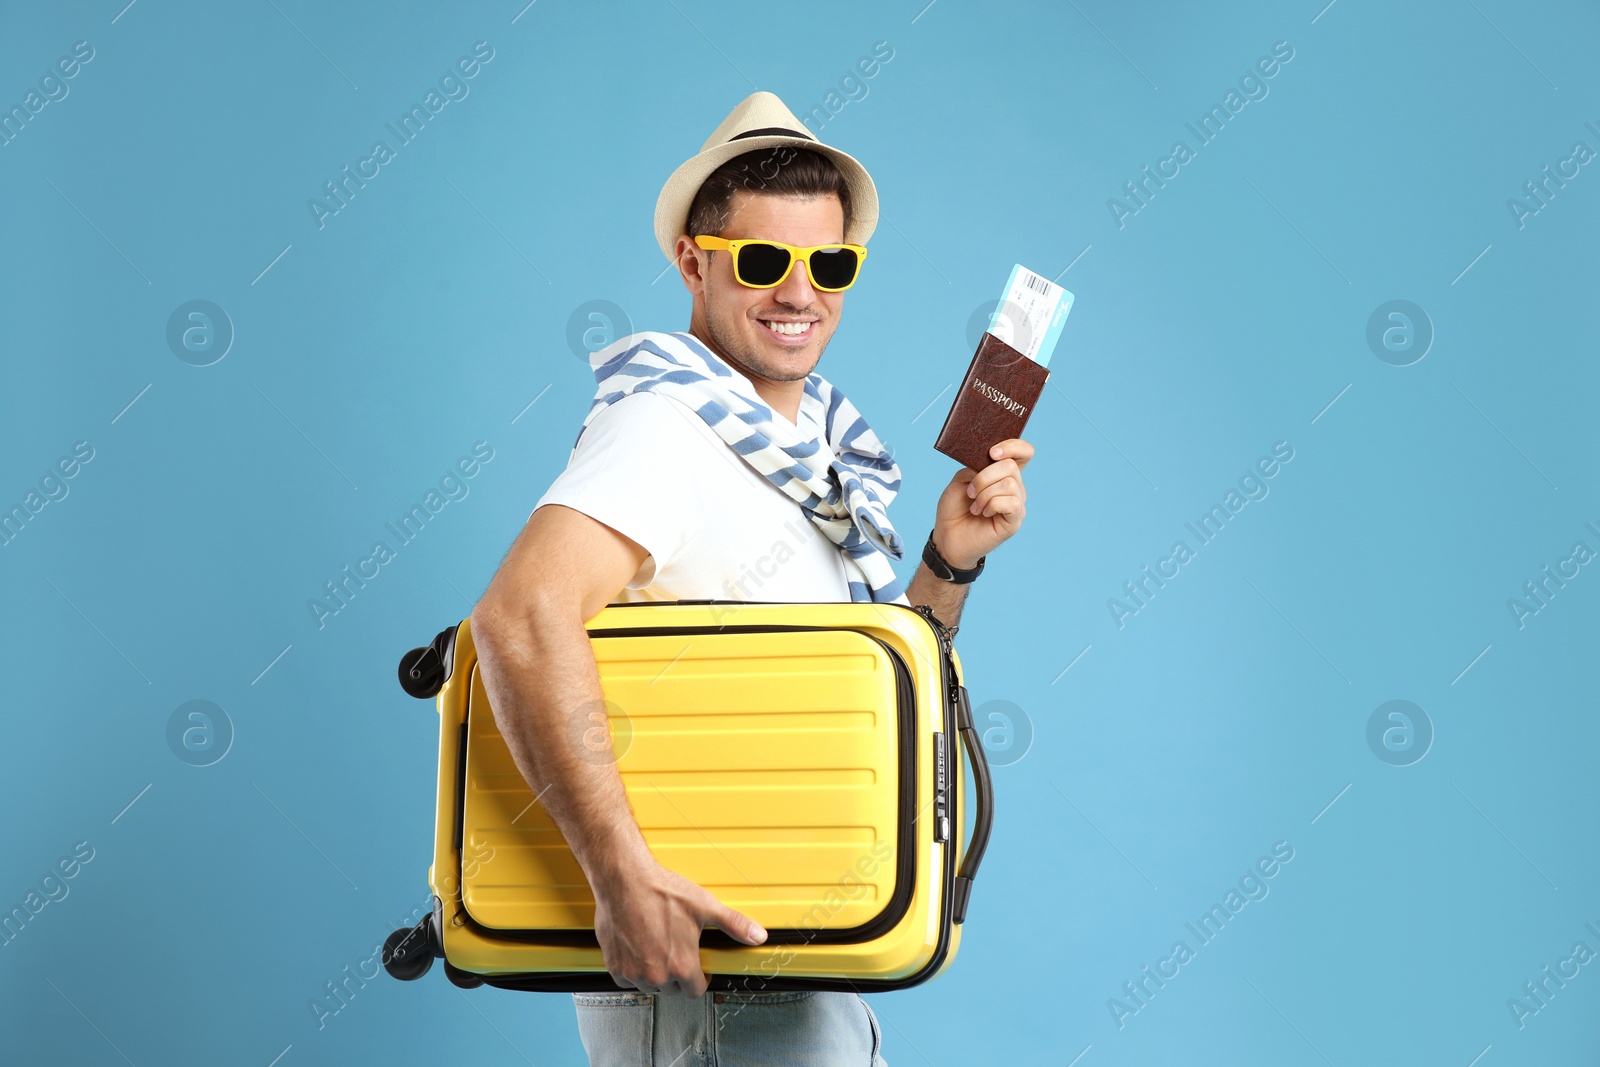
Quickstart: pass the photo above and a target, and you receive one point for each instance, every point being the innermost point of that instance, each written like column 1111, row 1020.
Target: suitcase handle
column 983, row 817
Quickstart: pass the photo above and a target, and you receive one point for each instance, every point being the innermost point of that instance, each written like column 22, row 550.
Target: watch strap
column 943, row 570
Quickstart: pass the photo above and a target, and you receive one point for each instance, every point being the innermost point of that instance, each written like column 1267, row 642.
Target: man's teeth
column 787, row 327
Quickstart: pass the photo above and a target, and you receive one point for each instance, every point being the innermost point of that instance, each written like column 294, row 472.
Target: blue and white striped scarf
column 848, row 498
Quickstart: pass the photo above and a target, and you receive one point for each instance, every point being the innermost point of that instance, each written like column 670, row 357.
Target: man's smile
column 788, row 331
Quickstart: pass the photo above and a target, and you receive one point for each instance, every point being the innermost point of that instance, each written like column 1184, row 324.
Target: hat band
column 767, row 131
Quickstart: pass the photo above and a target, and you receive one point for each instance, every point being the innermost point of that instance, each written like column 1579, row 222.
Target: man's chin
column 790, row 363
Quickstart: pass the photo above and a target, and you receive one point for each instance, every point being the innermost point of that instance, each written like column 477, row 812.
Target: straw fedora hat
column 760, row 121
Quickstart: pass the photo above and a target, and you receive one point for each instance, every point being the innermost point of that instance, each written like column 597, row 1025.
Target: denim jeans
column 791, row 1029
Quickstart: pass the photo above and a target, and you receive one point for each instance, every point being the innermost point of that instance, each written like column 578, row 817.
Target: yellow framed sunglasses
column 765, row 264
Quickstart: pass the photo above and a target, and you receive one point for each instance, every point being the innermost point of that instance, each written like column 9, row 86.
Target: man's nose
column 796, row 290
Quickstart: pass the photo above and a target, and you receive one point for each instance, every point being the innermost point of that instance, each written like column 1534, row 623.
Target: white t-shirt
column 651, row 468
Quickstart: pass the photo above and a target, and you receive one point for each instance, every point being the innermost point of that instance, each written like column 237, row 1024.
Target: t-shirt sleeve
column 633, row 469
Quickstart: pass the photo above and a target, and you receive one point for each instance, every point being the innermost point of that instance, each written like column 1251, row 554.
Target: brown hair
column 783, row 170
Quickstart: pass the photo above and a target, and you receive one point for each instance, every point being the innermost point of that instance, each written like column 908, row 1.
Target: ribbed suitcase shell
column 788, row 757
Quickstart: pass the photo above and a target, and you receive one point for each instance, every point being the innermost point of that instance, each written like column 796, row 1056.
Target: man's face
column 736, row 317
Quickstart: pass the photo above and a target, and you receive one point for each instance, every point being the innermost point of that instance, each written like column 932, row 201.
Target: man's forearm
column 945, row 598
column 542, row 681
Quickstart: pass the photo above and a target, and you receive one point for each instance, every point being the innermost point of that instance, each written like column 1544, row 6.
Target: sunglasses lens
column 833, row 268
column 761, row 264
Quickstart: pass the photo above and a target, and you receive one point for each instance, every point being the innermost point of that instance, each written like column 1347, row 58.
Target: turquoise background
column 1228, row 314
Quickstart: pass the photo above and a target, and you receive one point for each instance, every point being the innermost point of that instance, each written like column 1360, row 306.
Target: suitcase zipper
column 941, row 747
column 983, row 818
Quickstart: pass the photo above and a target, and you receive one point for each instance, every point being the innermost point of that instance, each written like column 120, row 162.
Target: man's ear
column 692, row 264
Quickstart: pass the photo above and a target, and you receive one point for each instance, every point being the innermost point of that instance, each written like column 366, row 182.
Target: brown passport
column 994, row 402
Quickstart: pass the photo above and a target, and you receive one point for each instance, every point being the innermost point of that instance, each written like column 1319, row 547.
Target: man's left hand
column 980, row 509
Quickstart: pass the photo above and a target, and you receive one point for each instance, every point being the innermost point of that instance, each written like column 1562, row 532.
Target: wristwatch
column 941, row 569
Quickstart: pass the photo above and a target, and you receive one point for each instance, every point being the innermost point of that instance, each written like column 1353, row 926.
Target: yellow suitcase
column 799, row 760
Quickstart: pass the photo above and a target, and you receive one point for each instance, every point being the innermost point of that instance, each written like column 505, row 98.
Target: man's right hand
column 649, row 920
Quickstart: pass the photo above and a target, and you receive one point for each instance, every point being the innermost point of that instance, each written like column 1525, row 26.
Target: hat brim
column 677, row 195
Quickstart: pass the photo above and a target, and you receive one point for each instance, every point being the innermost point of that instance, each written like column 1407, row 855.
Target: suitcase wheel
column 460, row 978
column 407, row 955
column 421, row 673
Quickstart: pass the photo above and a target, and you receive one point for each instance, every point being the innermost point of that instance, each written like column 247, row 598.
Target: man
column 715, row 464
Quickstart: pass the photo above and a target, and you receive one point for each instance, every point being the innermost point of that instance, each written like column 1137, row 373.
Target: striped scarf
column 848, row 498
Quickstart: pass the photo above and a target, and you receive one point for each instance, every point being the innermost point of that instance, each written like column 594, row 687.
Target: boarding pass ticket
column 1030, row 314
